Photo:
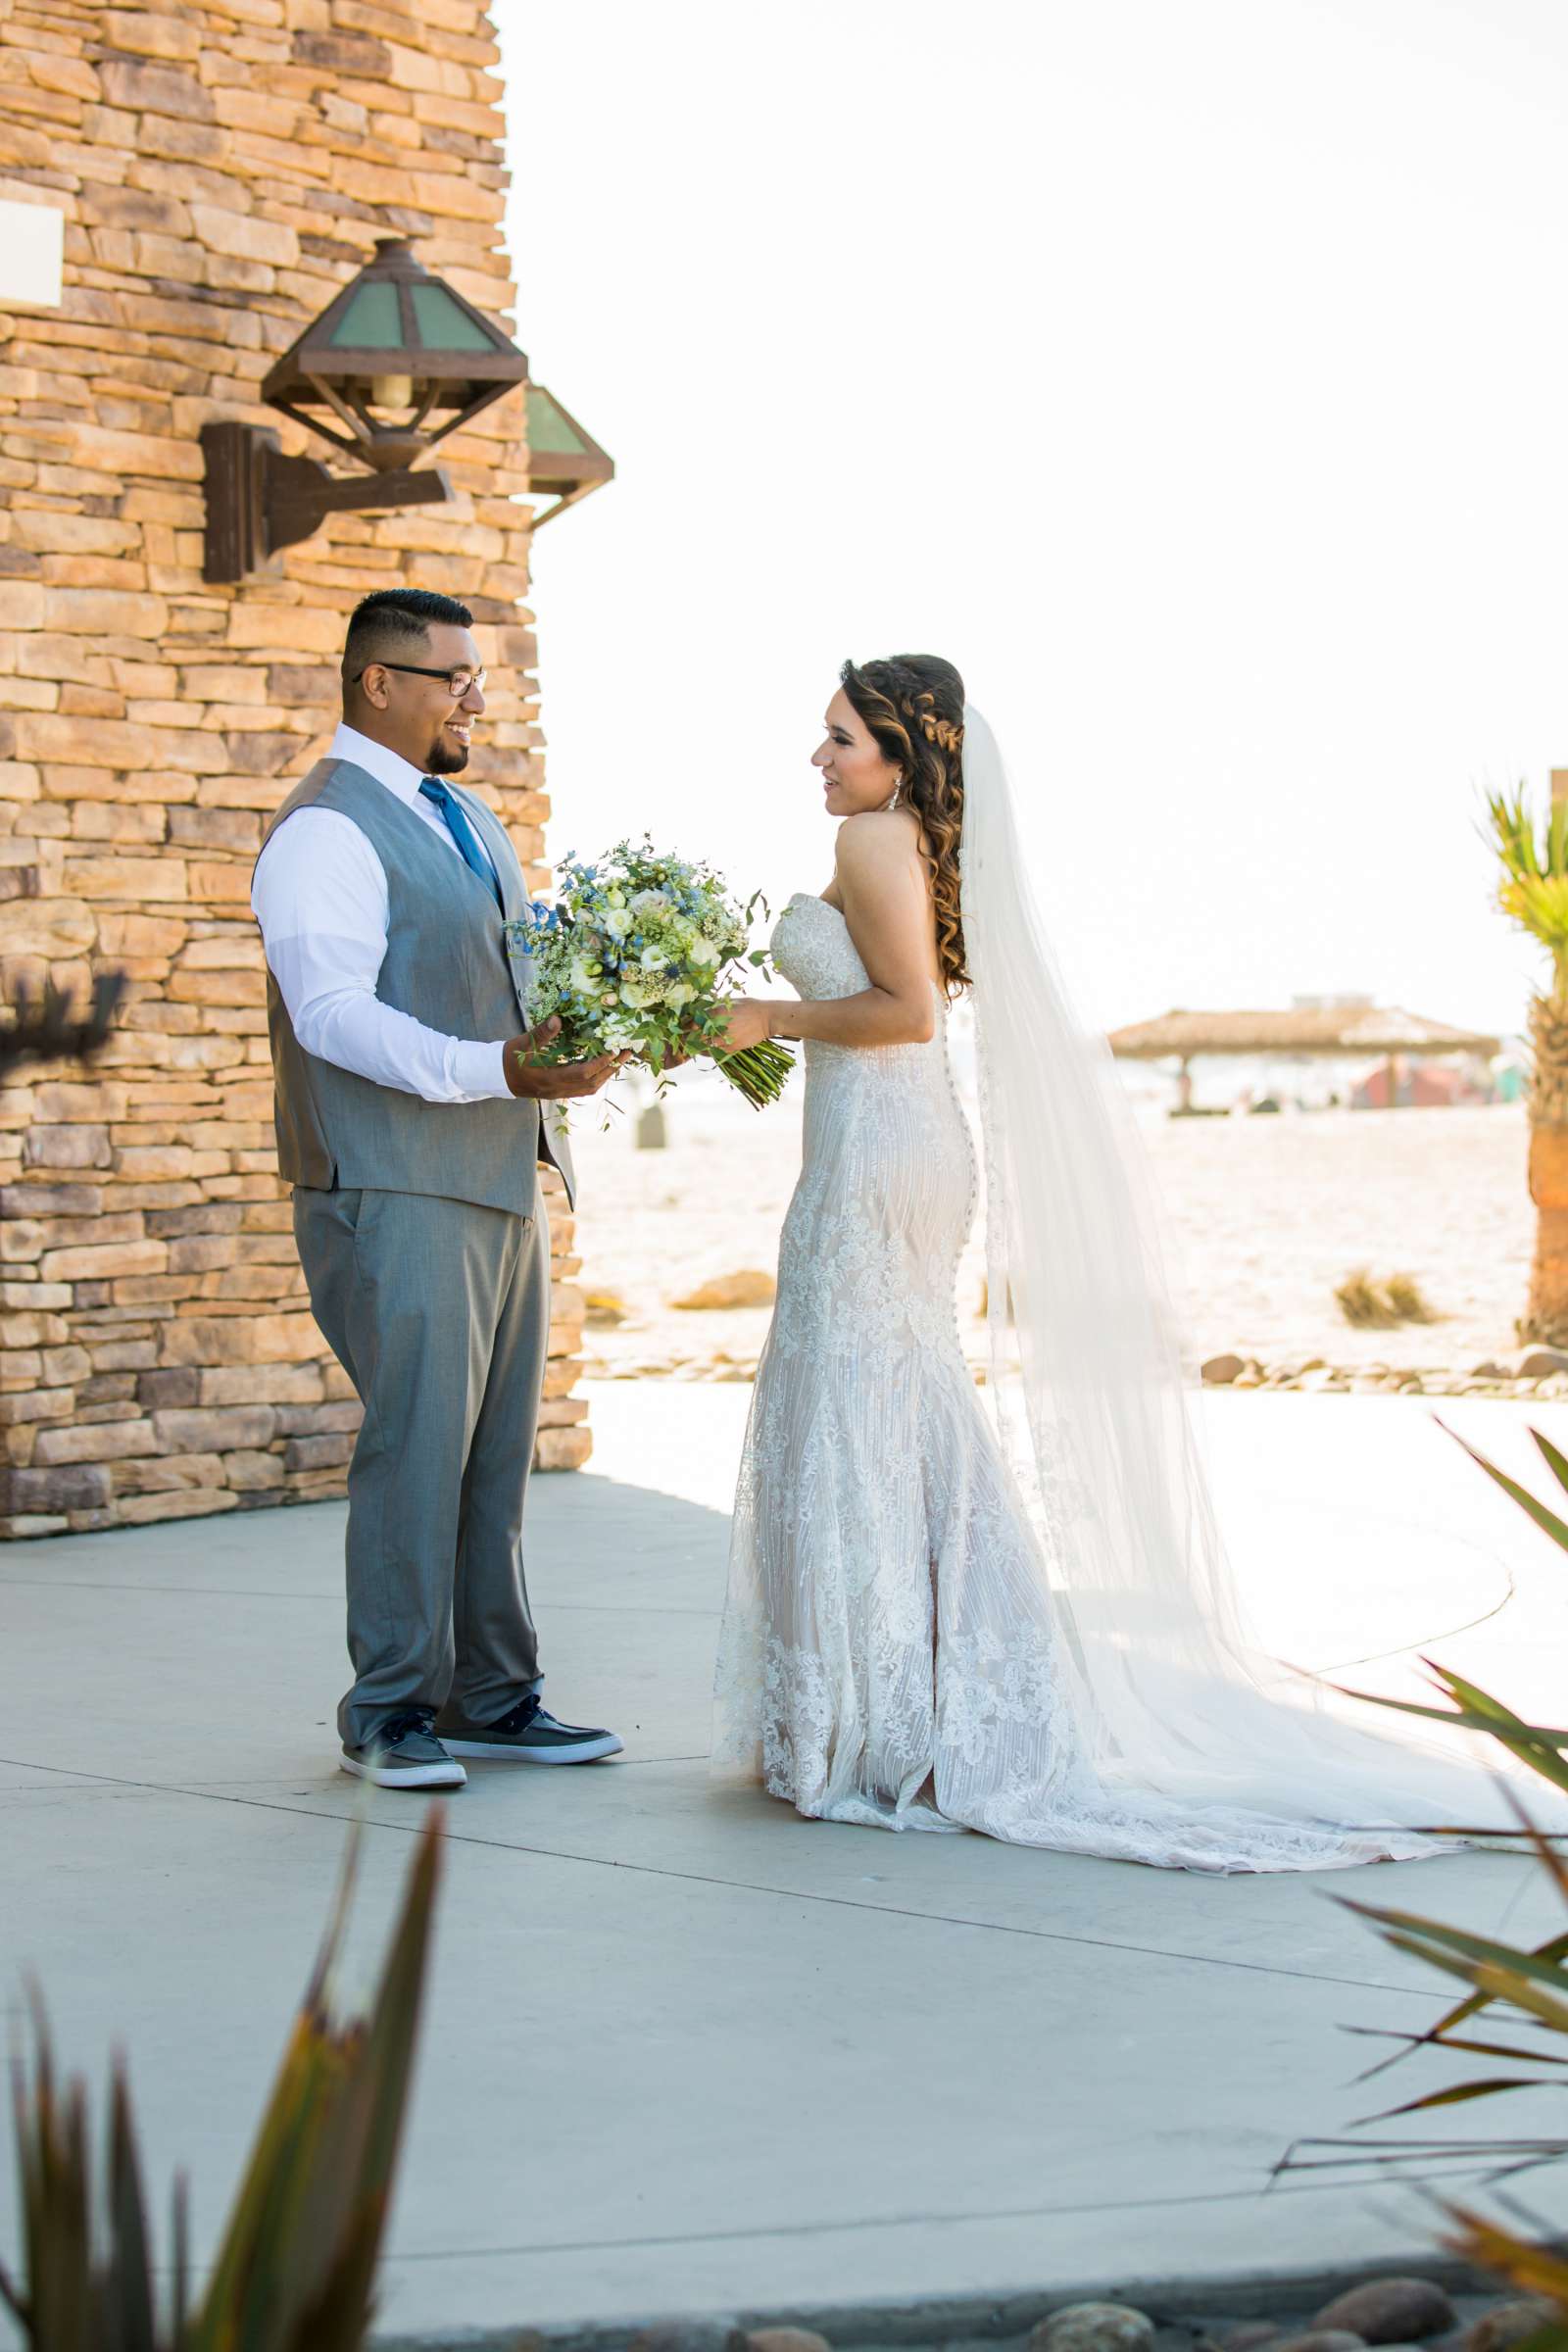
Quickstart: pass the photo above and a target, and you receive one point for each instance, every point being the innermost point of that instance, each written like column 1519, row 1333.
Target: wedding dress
column 1009, row 1610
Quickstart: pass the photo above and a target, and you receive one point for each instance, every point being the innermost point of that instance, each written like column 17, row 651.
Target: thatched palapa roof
column 1342, row 1029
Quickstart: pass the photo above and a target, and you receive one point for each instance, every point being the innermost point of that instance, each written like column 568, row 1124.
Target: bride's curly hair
column 914, row 706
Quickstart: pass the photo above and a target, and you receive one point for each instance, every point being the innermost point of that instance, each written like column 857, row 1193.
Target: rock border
column 1528, row 1372
column 1309, row 1376
column 1183, row 2308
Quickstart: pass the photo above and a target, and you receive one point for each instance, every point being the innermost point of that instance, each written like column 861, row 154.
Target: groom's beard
column 446, row 758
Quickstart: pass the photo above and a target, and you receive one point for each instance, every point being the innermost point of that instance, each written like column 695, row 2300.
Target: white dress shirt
column 320, row 897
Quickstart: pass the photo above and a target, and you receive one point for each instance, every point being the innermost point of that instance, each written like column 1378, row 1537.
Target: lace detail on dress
column 888, row 1654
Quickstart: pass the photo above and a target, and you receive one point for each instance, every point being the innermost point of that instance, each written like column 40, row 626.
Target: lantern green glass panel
column 443, row 325
column 550, row 434
column 370, row 322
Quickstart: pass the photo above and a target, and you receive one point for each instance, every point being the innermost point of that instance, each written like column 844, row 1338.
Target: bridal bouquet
column 632, row 958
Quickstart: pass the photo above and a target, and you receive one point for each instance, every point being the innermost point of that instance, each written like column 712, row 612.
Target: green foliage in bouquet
column 296, row 2268
column 635, row 957
column 1531, row 1984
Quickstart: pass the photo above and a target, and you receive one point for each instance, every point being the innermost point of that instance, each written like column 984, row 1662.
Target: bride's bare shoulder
column 877, row 840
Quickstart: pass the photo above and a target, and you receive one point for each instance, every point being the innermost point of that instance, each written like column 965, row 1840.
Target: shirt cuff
column 482, row 1071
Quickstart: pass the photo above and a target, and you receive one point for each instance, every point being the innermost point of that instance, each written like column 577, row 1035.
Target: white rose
column 702, row 952
column 585, row 976
column 617, row 922
column 679, row 995
column 631, row 995
column 654, row 959
column 649, row 902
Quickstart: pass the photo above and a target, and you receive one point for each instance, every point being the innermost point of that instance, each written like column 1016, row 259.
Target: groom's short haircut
column 385, row 625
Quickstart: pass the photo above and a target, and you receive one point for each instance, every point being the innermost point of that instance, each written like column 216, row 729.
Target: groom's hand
column 553, row 1081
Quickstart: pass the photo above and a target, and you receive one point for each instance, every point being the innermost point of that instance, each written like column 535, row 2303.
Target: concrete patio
column 686, row 2053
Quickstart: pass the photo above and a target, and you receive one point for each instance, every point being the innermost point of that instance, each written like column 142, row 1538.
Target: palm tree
column 1533, row 893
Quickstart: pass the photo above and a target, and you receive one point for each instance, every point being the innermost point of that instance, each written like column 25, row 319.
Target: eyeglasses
column 459, row 682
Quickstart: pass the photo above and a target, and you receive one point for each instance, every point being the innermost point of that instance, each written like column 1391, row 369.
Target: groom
column 409, row 1120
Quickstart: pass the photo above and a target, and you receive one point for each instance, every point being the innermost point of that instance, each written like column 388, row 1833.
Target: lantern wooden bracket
column 259, row 501
column 564, row 460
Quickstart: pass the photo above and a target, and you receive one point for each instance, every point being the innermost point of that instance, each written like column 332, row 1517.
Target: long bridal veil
column 1174, row 1700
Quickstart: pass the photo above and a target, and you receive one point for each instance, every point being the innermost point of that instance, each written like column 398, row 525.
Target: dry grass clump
column 1374, row 1303
column 1407, row 1299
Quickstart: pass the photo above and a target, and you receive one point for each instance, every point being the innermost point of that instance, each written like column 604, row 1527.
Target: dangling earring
column 897, row 792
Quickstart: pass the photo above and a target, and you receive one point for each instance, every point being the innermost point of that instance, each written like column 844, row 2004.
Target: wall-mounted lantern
column 563, row 459
column 393, row 364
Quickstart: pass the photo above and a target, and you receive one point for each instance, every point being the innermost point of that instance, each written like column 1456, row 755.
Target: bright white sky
column 1195, row 376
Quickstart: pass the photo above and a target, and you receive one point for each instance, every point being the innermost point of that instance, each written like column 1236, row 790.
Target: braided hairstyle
column 913, row 707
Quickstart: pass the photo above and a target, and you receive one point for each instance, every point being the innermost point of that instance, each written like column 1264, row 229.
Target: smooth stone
column 787, row 2340
column 750, row 1287
column 1534, row 1363
column 1511, row 2323
column 1321, row 2339
column 1093, row 2327
column 1390, row 2310
column 1253, row 2333
column 1220, row 1370
column 691, row 2335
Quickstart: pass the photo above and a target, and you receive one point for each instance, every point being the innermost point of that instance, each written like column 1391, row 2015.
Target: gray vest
column 446, row 965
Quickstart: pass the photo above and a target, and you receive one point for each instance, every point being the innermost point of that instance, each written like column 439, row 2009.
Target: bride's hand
column 745, row 1025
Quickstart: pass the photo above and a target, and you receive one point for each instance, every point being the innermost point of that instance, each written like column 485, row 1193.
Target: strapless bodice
column 811, row 947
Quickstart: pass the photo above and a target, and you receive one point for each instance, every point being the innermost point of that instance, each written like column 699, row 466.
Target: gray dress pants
column 439, row 1312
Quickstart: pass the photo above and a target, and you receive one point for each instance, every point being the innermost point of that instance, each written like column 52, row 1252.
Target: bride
column 1010, row 1614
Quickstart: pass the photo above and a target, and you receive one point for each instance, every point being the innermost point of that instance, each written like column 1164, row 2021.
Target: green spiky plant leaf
column 1533, row 1982
column 296, row 2265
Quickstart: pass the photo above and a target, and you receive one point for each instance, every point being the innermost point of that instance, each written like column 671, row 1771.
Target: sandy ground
column 1262, row 1217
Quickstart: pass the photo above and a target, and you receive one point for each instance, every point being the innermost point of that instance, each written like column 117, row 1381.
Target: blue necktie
column 462, row 833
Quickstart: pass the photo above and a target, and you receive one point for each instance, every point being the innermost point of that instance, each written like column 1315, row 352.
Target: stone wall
column 222, row 172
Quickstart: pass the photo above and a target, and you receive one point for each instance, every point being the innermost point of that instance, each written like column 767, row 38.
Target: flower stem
column 758, row 1072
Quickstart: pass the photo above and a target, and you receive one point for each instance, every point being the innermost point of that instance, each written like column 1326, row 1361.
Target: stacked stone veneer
column 223, row 171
